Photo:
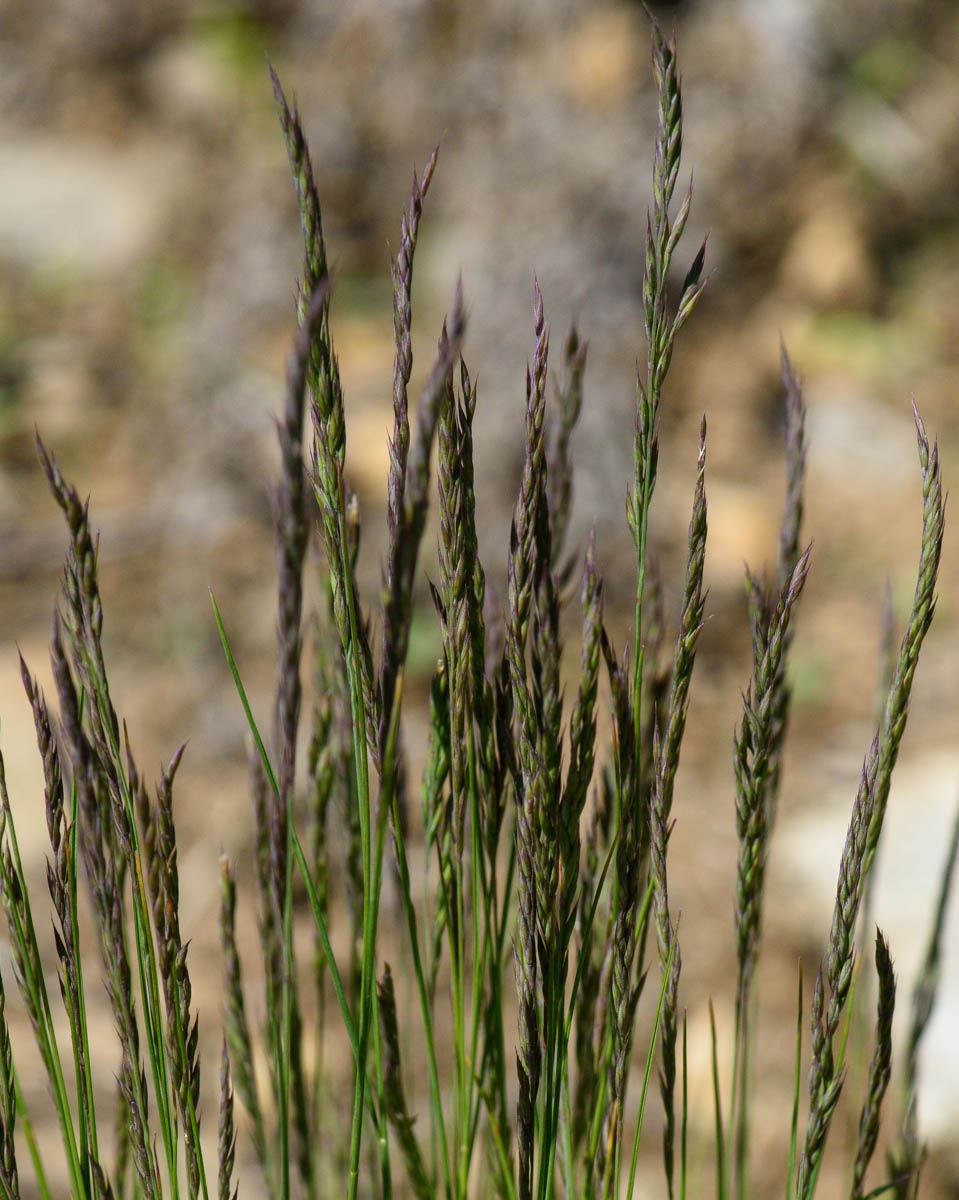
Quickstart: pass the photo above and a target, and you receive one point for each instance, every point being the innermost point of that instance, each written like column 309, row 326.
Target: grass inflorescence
column 547, row 911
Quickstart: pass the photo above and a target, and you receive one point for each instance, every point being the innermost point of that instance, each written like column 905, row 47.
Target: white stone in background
column 884, row 141
column 851, row 437
column 915, row 836
column 788, row 30
column 94, row 209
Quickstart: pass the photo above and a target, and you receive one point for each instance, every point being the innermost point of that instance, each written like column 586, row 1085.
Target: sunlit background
column 149, row 247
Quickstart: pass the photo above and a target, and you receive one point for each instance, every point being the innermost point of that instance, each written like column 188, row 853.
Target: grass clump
column 548, row 903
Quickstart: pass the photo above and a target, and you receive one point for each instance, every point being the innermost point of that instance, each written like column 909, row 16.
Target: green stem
column 91, row 1116
column 653, row 1039
column 421, row 987
column 361, row 768
column 26, row 1124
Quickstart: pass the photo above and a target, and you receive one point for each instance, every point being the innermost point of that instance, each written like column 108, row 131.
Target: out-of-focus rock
column 881, row 139
column 86, row 209
column 603, row 56
column 857, row 444
column 185, row 85
column 909, row 864
column 827, row 261
column 740, row 531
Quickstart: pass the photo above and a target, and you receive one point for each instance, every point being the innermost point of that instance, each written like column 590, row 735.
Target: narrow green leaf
column 721, row 1184
column 797, row 1077
column 650, row 1054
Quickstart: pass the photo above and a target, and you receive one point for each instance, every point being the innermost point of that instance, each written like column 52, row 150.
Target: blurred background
column 149, row 248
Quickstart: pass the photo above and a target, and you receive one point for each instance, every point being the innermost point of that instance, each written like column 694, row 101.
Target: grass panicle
column 530, row 781
column 666, row 762
column 880, row 1069
column 564, row 414
column 237, row 1029
column 226, row 1132
column 9, row 1175
column 790, row 535
column 825, row 1078
column 404, row 524
column 755, row 749
column 98, row 838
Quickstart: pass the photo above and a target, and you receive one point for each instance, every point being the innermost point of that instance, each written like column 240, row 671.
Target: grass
column 547, row 909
